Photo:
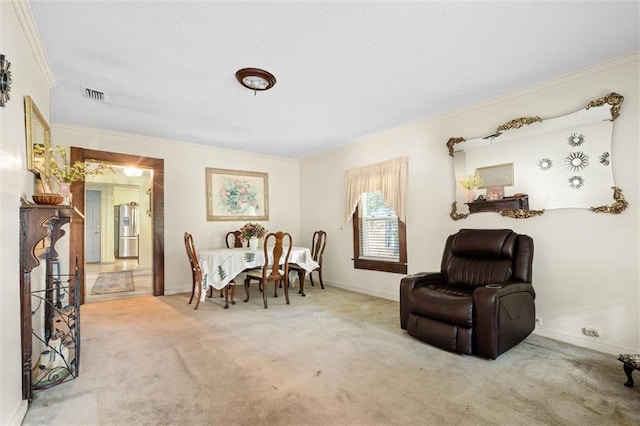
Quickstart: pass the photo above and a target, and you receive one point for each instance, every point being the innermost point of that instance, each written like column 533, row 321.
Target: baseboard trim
column 19, row 414
column 172, row 291
column 584, row 342
column 382, row 295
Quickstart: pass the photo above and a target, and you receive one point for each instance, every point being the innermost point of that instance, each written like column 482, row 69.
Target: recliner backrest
column 476, row 257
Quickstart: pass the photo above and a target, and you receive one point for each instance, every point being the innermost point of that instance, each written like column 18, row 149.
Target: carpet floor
column 332, row 358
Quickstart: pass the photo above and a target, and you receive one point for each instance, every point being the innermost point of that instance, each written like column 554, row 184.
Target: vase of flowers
column 252, row 232
column 470, row 184
column 66, row 173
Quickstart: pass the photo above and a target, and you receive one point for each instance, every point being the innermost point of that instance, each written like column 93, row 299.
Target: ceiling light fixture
column 255, row 79
column 133, row 171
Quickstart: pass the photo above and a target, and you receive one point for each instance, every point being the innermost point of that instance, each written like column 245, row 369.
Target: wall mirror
column 37, row 139
column 531, row 164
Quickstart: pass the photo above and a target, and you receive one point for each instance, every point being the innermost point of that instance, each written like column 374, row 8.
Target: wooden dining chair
column 275, row 244
column 234, row 239
column 318, row 244
column 196, row 273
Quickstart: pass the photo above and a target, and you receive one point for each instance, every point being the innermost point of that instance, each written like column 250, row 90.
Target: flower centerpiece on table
column 252, row 230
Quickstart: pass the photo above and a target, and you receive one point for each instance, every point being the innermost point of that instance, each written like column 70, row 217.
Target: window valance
column 388, row 177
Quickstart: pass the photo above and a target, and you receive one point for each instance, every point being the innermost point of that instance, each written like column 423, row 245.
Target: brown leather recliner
column 482, row 300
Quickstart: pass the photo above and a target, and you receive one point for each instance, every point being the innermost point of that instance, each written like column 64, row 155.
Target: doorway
column 118, row 255
column 79, row 221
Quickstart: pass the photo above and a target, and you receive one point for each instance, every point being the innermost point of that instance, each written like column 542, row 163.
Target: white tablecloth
column 220, row 266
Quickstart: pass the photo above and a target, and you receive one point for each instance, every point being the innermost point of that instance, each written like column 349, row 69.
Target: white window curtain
column 388, row 177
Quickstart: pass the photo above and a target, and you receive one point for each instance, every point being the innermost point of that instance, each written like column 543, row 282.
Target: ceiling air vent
column 94, row 94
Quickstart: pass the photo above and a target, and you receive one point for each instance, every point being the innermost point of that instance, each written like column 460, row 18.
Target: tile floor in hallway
column 142, row 279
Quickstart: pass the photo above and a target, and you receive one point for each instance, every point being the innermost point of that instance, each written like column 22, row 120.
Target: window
column 379, row 239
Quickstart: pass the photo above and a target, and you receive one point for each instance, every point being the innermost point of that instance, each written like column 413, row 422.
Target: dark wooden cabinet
column 40, row 229
column 506, row 203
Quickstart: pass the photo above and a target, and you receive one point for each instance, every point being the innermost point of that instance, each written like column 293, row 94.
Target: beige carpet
column 332, row 358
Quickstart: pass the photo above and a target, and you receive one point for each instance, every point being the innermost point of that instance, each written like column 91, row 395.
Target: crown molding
column 552, row 82
column 25, row 17
column 91, row 132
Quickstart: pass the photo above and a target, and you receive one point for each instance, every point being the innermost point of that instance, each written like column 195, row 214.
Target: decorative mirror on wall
column 530, row 164
column 38, row 142
column 5, row 80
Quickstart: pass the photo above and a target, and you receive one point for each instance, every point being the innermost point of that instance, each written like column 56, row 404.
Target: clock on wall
column 5, row 80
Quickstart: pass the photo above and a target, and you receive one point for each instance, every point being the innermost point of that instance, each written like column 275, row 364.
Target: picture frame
column 236, row 195
column 496, row 175
column 495, row 193
column 38, row 143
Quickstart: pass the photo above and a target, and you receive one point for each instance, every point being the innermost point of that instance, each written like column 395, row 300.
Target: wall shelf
column 40, row 230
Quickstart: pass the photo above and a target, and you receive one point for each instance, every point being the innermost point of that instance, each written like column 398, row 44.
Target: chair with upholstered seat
column 196, row 273
column 318, row 244
column 481, row 301
column 276, row 250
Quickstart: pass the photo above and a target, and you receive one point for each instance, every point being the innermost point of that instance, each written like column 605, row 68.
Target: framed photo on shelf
column 495, row 193
column 237, row 195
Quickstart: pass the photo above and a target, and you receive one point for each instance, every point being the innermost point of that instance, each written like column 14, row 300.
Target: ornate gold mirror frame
column 38, row 141
column 614, row 100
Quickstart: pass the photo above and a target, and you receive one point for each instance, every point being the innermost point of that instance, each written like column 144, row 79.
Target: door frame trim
column 77, row 238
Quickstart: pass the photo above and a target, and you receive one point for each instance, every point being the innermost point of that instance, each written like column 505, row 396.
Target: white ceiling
column 343, row 70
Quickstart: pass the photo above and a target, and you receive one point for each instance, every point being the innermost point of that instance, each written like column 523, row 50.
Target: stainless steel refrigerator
column 127, row 231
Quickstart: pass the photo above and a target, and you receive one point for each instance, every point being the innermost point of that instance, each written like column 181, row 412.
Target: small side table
column 630, row 362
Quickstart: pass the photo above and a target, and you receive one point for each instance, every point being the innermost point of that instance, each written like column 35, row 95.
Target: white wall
column 586, row 269
column 185, row 192
column 18, row 42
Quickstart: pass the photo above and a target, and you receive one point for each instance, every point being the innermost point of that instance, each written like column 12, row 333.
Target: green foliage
column 472, row 181
column 250, row 230
column 64, row 172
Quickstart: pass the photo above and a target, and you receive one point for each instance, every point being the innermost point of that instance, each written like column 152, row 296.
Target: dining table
column 222, row 265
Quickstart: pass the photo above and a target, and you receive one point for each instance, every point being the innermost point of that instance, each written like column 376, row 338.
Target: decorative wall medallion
column 545, row 164
column 604, row 159
column 576, row 161
column 5, row 80
column 576, row 182
column 576, row 139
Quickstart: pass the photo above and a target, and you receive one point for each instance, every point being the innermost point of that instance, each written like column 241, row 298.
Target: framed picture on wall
column 497, row 175
column 237, row 195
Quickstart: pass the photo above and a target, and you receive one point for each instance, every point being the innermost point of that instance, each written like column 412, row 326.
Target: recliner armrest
column 407, row 284
column 503, row 289
column 486, row 304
